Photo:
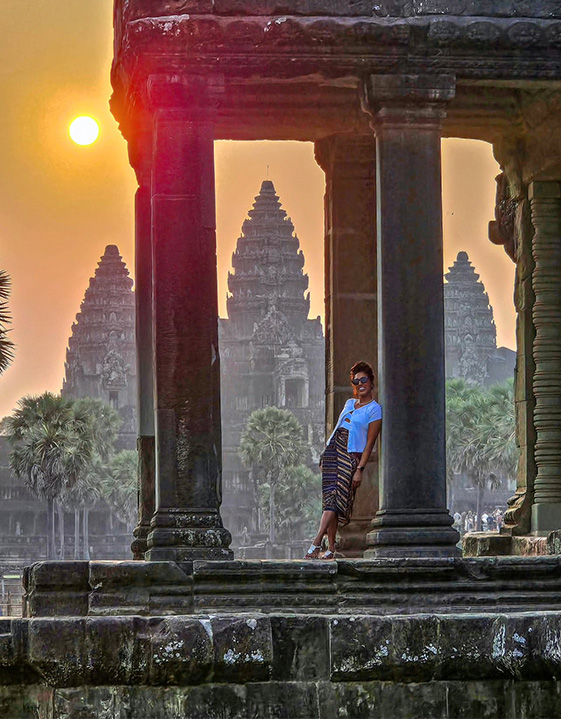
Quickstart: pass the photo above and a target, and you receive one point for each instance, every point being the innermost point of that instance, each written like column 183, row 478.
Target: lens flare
column 84, row 130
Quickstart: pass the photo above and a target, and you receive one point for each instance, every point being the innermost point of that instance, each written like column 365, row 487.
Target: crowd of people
column 466, row 522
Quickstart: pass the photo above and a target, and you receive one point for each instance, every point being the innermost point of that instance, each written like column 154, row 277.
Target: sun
column 84, row 130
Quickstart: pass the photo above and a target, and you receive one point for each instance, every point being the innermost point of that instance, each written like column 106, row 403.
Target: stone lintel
column 442, row 9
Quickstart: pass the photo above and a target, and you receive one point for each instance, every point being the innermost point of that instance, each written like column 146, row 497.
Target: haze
column 61, row 204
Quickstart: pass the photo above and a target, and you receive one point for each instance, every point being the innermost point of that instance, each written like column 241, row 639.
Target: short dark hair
column 363, row 367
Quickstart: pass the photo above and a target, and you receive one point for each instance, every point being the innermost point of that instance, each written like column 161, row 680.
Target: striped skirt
column 337, row 469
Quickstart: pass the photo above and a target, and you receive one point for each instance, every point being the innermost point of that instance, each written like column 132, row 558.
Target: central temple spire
column 268, row 266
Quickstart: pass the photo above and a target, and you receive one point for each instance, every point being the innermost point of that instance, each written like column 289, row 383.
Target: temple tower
column 100, row 359
column 271, row 353
column 471, row 335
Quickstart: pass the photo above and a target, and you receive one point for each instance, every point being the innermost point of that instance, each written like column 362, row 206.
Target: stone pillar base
column 546, row 518
column 351, row 542
column 410, row 533
column 146, row 480
column 177, row 536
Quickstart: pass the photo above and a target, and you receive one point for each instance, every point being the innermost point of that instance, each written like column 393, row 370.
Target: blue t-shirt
column 357, row 421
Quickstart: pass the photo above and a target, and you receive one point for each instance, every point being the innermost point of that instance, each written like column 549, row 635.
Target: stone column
column 407, row 114
column 187, row 522
column 144, row 364
column 349, row 163
column 545, row 202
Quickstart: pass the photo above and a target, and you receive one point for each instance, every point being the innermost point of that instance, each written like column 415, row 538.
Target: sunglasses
column 360, row 380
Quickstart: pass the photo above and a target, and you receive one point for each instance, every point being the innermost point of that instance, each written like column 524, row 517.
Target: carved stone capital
column 407, row 100
column 195, row 97
column 345, row 149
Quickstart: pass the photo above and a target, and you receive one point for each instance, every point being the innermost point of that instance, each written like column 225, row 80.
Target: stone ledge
column 507, row 699
column 182, row 651
column 493, row 544
column 377, row 586
column 253, row 648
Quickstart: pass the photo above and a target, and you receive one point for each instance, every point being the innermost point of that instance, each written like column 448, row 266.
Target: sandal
column 313, row 552
column 328, row 555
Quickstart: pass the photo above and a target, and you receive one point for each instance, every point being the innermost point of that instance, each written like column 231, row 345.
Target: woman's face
column 362, row 385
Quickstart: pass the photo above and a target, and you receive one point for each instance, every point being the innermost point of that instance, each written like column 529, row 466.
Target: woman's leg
column 332, row 532
column 326, row 519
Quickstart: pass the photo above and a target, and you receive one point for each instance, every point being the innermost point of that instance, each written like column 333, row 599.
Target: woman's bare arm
column 373, row 432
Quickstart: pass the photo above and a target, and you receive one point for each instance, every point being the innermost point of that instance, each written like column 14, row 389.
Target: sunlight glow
column 84, row 130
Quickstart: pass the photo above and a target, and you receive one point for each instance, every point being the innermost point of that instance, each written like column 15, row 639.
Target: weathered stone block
column 486, row 544
column 484, row 700
column 57, row 650
column 211, row 701
column 361, row 649
column 86, row 703
column 57, row 588
column 465, row 648
column 535, row 699
column 13, row 640
column 356, row 700
column 290, row 700
column 28, row 703
column 243, row 649
column 525, row 546
column 117, row 650
column 138, row 587
column 554, row 542
column 415, row 647
column 181, row 651
column 410, row 700
column 300, row 648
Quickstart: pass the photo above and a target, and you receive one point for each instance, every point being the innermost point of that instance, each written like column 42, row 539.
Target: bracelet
column 360, row 468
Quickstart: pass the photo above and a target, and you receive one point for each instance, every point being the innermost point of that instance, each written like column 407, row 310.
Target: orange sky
column 60, row 204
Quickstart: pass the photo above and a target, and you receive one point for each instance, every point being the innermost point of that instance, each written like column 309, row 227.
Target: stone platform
column 272, row 666
column 378, row 586
column 399, row 638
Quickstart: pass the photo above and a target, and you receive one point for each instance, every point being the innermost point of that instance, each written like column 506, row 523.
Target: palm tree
column 297, row 500
column 119, row 487
column 59, row 446
column 103, row 423
column 6, row 345
column 271, row 443
column 480, row 435
column 50, row 445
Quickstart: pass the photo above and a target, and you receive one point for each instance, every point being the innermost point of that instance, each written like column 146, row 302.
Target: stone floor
column 379, row 639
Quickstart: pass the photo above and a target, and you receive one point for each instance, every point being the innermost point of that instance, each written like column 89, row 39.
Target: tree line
column 63, row 450
column 480, row 436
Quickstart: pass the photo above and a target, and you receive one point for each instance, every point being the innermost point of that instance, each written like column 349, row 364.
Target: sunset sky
column 61, row 203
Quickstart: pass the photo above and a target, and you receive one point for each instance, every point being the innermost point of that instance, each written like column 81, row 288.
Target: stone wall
column 298, row 667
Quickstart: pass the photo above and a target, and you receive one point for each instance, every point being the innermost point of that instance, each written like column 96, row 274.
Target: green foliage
column 51, row 444
column 297, row 501
column 61, row 446
column 480, row 432
column 272, row 446
column 272, row 441
column 119, row 486
column 6, row 345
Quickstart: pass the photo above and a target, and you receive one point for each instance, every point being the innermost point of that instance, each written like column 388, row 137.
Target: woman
column 344, row 459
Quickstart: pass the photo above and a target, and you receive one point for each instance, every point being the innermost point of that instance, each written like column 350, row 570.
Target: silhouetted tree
column 6, row 345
